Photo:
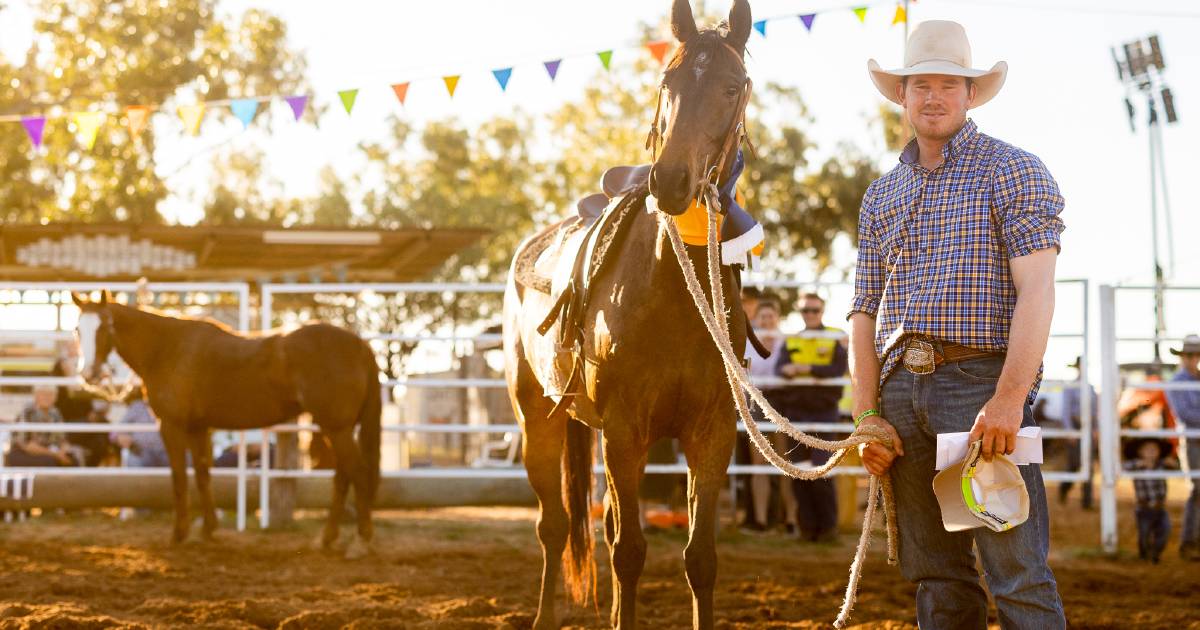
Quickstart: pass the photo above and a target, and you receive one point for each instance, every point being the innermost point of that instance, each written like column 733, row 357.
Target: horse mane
column 149, row 310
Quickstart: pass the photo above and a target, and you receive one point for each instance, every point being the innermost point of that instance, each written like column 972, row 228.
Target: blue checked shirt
column 934, row 246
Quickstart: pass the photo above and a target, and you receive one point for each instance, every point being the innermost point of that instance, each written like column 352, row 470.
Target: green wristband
column 864, row 415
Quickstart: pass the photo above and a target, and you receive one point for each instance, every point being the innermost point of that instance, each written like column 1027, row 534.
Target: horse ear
column 683, row 25
column 78, row 299
column 105, row 297
column 739, row 24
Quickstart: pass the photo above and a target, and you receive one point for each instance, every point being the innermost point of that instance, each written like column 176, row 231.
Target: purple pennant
column 552, row 68
column 808, row 20
column 34, row 126
column 298, row 103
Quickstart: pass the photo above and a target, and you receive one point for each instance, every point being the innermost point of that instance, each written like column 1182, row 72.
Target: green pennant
column 605, row 58
column 348, row 97
column 861, row 12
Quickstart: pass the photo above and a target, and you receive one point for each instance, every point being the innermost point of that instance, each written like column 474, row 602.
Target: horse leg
column 708, row 456
column 200, row 444
column 542, row 450
column 353, row 470
column 624, row 463
column 175, row 442
column 341, row 484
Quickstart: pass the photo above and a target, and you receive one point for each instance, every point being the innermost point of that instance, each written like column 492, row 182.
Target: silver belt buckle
column 919, row 357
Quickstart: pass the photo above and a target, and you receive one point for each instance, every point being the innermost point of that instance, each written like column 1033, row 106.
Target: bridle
column 105, row 387
column 735, row 135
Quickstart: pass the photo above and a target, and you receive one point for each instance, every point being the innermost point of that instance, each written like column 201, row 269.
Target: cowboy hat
column 939, row 47
column 973, row 493
column 1191, row 345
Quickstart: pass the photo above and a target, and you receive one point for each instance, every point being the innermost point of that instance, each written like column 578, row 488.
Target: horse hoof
column 357, row 549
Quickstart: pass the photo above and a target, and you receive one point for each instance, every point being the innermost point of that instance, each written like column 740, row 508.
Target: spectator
column 75, row 405
column 1185, row 404
column 42, row 448
column 1153, row 524
column 759, row 490
column 1073, row 419
column 145, row 449
column 818, row 355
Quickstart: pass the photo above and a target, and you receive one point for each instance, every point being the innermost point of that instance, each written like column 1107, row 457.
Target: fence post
column 1110, row 383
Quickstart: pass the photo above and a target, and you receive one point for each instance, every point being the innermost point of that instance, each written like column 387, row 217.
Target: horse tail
column 369, row 426
column 579, row 564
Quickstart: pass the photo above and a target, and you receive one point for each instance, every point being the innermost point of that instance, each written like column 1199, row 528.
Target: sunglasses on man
column 808, row 309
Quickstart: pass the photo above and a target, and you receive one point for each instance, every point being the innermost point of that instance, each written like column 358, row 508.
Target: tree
column 136, row 52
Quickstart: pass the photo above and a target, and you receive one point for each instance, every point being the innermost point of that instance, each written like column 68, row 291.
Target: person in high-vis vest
column 818, row 352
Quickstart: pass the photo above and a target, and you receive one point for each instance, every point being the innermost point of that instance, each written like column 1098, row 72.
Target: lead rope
column 738, row 379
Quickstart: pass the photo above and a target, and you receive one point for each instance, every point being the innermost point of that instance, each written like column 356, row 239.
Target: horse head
column 95, row 335
column 705, row 89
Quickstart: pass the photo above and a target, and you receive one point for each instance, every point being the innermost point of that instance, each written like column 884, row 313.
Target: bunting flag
column 861, row 12
column 502, row 76
column 34, row 126
column 761, row 27
column 901, row 15
column 401, row 90
column 808, row 20
column 451, row 83
column 552, row 68
column 87, row 124
column 659, row 49
column 244, row 109
column 138, row 116
column 297, row 103
column 348, row 97
column 605, row 58
column 192, row 115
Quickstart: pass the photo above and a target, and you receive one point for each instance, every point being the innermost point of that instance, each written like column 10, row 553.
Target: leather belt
column 923, row 355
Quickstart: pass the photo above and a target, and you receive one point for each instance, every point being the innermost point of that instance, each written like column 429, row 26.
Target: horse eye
column 731, row 91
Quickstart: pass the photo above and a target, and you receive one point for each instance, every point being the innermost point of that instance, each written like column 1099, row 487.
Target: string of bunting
column 136, row 117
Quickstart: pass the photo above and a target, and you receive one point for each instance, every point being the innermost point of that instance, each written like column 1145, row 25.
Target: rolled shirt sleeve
column 1029, row 205
column 868, row 273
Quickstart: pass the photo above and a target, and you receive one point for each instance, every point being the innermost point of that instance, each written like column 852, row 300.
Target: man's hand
column 792, row 370
column 876, row 457
column 64, row 459
column 997, row 425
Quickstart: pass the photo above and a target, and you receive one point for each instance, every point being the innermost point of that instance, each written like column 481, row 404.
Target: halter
column 105, row 387
column 734, row 136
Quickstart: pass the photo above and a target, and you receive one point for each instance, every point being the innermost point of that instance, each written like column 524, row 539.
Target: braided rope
column 739, row 380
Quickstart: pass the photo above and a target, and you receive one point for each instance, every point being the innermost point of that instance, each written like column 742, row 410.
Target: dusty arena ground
column 478, row 568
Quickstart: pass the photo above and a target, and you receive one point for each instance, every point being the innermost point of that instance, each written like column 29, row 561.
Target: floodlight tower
column 1141, row 70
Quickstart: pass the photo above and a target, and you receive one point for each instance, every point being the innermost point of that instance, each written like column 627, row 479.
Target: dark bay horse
column 199, row 375
column 650, row 368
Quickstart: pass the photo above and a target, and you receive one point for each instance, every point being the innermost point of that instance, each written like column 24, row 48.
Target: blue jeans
column 941, row 563
column 1191, row 513
column 1153, row 529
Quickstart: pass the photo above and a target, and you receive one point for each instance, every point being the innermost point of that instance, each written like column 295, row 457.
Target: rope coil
column 739, row 379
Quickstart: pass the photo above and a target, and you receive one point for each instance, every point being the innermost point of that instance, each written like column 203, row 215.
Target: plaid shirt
column 1149, row 492
column 934, row 246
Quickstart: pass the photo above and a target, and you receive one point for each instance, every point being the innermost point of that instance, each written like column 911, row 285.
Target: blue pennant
column 502, row 76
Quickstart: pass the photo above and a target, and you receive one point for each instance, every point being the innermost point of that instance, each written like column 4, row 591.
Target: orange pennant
column 401, row 90
column 139, row 116
column 659, row 49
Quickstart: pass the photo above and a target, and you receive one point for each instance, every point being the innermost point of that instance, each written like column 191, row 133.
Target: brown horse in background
column 650, row 368
column 199, row 375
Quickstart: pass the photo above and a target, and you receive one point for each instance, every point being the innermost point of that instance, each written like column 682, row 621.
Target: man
column 1186, row 406
column 954, row 293
column 816, row 353
column 1072, row 397
column 42, row 448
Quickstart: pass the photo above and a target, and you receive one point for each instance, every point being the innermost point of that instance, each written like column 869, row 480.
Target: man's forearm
column 864, row 363
column 1027, row 341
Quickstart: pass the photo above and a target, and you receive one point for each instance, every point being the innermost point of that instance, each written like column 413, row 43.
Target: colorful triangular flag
column 861, row 12
column 401, row 90
column 297, row 103
column 761, row 27
column 34, row 126
column 348, row 97
column 244, row 109
column 808, row 21
column 502, row 76
column 605, row 58
column 192, row 115
column 552, row 67
column 88, row 123
column 901, row 15
column 659, row 49
column 138, row 116
column 451, row 83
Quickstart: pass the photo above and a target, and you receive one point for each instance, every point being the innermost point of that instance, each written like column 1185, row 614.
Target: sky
column 1062, row 100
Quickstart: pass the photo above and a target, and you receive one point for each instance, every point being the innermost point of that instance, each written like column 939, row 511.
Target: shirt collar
column 950, row 150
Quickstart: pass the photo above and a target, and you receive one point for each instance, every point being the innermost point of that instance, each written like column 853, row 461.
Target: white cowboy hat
column 939, row 47
column 1191, row 345
column 973, row 493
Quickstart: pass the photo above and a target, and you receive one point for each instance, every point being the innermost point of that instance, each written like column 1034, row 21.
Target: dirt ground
column 478, row 568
